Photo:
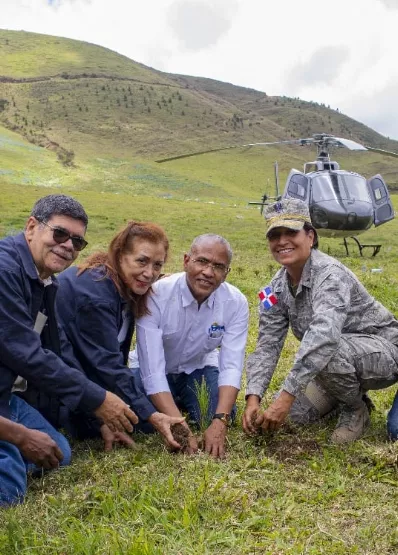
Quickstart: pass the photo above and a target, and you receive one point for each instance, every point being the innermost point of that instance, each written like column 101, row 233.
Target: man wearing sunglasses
column 195, row 333
column 35, row 357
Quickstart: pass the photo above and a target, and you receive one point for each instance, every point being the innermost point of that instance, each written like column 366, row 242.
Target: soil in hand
column 254, row 417
column 181, row 435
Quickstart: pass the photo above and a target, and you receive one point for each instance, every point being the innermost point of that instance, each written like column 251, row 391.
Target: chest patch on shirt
column 267, row 297
column 216, row 330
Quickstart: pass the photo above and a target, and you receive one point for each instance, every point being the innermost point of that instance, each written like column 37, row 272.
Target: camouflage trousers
column 361, row 363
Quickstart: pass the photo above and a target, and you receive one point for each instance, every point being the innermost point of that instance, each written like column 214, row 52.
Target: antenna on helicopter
column 276, row 170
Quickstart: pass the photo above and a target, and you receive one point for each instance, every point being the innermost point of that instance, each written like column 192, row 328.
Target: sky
column 340, row 53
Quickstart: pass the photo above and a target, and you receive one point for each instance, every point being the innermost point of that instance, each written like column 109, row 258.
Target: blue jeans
column 392, row 420
column 13, row 466
column 183, row 388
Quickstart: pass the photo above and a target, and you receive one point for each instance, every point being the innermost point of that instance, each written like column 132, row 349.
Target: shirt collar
column 281, row 278
column 28, row 263
column 22, row 247
column 188, row 298
column 46, row 281
column 306, row 274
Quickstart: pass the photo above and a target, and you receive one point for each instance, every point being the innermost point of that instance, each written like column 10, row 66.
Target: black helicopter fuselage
column 341, row 203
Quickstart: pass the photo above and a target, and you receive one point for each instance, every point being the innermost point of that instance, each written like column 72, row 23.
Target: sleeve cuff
column 152, row 386
column 92, row 398
column 290, row 385
column 232, row 379
column 254, row 391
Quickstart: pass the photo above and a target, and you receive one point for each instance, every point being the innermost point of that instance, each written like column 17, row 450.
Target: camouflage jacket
column 330, row 301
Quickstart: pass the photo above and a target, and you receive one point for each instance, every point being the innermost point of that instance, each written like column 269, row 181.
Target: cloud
column 58, row 3
column 390, row 4
column 322, row 68
column 377, row 108
column 197, row 24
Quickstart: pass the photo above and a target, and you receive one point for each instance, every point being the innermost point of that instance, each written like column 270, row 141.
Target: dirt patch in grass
column 181, row 435
column 292, row 449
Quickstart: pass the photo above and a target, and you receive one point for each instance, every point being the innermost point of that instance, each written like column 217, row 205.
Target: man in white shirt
column 191, row 315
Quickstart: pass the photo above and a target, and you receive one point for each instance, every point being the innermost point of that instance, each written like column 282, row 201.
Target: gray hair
column 211, row 237
column 58, row 205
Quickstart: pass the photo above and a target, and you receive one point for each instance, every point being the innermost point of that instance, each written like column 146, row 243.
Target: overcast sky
column 343, row 54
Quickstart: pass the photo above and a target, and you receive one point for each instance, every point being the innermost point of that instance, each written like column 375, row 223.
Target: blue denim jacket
column 90, row 310
column 21, row 350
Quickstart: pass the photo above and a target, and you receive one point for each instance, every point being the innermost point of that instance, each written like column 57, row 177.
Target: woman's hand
column 275, row 415
column 250, row 416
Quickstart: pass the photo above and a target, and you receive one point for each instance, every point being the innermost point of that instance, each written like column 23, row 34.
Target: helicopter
column 342, row 203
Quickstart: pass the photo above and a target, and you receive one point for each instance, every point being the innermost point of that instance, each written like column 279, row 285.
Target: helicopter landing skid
column 376, row 248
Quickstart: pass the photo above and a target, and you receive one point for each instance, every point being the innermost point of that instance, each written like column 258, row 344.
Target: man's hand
column 251, row 414
column 116, row 414
column 38, row 448
column 162, row 422
column 110, row 438
column 192, row 446
column 276, row 413
column 214, row 438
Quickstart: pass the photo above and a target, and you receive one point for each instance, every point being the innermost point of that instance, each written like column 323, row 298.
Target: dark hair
column 58, row 205
column 123, row 243
column 308, row 227
column 211, row 237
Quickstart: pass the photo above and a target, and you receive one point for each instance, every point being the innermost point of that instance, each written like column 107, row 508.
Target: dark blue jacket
column 90, row 311
column 21, row 349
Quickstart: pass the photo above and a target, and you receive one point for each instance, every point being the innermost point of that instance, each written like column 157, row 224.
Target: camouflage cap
column 288, row 212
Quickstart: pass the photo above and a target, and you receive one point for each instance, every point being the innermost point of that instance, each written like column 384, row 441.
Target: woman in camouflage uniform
column 349, row 341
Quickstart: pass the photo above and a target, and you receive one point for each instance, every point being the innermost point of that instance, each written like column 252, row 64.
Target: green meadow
column 288, row 493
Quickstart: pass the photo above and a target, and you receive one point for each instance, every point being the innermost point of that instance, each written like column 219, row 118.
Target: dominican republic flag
column 267, row 297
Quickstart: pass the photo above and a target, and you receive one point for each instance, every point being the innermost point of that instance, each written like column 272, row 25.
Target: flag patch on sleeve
column 267, row 297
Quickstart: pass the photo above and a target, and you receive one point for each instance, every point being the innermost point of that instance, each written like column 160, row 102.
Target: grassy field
column 288, row 493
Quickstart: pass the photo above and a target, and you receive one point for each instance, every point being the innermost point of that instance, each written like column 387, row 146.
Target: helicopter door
column 383, row 209
column 296, row 185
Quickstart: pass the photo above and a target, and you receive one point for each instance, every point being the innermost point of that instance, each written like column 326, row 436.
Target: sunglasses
column 60, row 235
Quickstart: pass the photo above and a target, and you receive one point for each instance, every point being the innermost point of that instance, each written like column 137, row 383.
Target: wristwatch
column 224, row 417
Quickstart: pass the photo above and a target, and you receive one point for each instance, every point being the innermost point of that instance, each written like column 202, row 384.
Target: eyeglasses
column 217, row 267
column 61, row 235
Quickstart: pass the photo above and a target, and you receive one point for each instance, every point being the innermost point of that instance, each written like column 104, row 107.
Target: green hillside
column 102, row 114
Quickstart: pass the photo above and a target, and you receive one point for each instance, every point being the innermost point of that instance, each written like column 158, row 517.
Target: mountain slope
column 85, row 101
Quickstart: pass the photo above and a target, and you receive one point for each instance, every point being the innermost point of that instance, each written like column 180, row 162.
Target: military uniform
column 349, row 341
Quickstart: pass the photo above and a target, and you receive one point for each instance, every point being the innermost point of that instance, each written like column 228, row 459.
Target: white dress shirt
column 176, row 337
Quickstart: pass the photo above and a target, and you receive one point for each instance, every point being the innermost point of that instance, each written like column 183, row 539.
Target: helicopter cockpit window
column 333, row 186
column 327, row 187
column 357, row 187
column 298, row 186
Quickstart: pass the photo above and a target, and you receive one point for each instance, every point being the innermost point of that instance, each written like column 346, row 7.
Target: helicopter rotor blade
column 381, row 151
column 291, row 142
column 347, row 143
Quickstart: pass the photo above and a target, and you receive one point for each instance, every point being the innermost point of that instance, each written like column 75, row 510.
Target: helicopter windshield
column 333, row 186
